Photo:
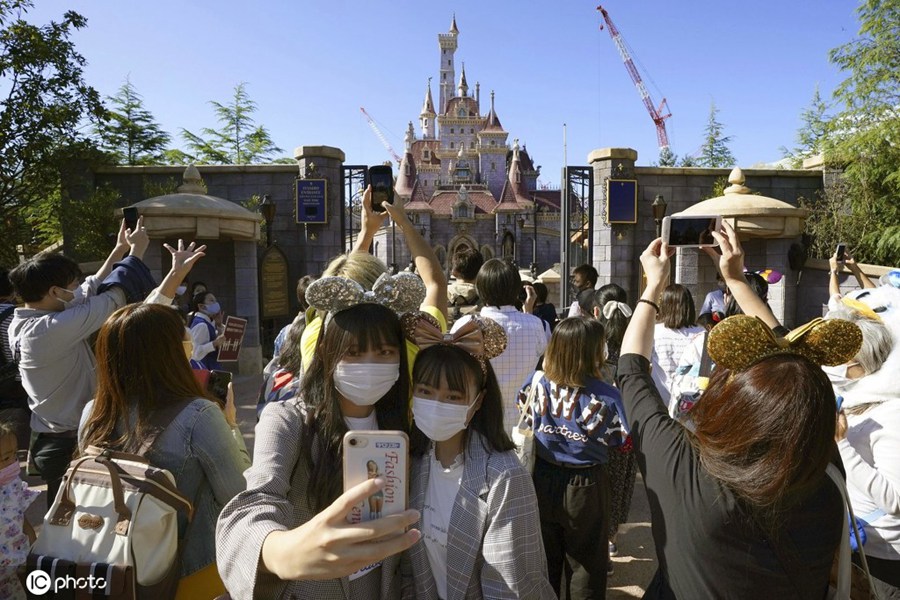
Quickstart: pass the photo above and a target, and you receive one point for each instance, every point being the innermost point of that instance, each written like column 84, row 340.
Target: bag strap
column 6, row 312
column 706, row 364
column 529, row 402
column 843, row 581
column 161, row 420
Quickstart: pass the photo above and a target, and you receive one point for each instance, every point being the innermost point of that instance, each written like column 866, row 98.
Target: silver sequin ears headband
column 403, row 292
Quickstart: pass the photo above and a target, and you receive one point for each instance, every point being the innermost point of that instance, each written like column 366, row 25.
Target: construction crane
column 380, row 135
column 656, row 113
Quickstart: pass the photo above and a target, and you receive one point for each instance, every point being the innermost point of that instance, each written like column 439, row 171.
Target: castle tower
column 463, row 89
column 448, row 44
column 427, row 116
column 492, row 152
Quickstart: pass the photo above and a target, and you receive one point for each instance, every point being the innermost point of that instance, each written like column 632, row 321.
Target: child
column 576, row 418
column 479, row 512
column 16, row 534
column 357, row 380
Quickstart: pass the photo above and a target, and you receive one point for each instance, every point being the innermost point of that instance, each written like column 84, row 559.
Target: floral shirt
column 15, row 498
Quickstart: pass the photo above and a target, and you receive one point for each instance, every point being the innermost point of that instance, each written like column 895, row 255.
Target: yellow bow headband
column 741, row 341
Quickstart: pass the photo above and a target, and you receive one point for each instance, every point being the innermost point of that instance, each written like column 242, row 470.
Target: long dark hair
column 365, row 325
column 766, row 441
column 140, row 364
column 616, row 325
column 464, row 374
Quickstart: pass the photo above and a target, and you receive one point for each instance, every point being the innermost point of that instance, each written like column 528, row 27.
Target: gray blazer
column 494, row 545
column 275, row 500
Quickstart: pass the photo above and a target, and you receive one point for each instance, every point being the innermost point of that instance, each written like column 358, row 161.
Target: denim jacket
column 207, row 459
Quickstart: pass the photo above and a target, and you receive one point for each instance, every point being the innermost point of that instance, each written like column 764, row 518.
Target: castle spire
column 463, row 86
column 428, row 105
column 453, row 27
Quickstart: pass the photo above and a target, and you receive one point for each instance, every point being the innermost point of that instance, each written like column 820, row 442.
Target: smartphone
column 371, row 454
column 841, row 250
column 691, row 231
column 131, row 217
column 217, row 385
column 381, row 178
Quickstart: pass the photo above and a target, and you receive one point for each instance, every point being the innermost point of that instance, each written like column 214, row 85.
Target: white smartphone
column 691, row 231
column 371, row 454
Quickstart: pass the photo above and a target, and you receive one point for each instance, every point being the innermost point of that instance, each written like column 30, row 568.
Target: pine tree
column 238, row 141
column 131, row 135
column 667, row 158
column 811, row 136
column 715, row 153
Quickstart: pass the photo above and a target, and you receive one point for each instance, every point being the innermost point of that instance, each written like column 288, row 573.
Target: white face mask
column 440, row 421
column 180, row 290
column 364, row 384
column 838, row 376
column 77, row 298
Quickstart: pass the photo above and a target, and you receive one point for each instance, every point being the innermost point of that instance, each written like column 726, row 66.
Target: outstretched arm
column 731, row 264
column 639, row 335
column 370, row 223
column 861, row 278
column 427, row 265
column 117, row 254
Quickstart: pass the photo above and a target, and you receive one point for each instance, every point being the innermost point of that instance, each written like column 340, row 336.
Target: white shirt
column 369, row 423
column 668, row 346
column 200, row 337
column 575, row 310
column 440, row 496
column 871, row 456
column 527, row 339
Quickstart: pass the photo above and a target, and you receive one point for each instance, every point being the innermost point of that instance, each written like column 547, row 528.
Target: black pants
column 885, row 574
column 574, row 508
column 52, row 454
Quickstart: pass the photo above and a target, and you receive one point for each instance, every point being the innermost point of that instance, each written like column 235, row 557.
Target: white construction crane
column 380, row 135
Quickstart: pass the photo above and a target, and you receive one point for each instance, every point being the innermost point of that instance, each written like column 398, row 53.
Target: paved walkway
column 634, row 566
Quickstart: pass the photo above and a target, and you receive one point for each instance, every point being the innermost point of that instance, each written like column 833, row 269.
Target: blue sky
column 311, row 65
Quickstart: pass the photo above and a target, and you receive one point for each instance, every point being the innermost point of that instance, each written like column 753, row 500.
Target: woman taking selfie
column 479, row 511
column 287, row 534
column 741, row 507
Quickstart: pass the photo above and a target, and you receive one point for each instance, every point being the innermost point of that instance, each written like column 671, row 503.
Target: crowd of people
column 734, row 422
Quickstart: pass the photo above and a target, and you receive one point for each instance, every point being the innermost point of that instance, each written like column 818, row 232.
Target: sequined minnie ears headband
column 403, row 292
column 741, row 341
column 481, row 337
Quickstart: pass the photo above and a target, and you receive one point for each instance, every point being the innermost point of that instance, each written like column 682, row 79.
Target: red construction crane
column 380, row 135
column 655, row 112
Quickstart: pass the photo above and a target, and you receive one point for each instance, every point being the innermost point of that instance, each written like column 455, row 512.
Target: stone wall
column 616, row 248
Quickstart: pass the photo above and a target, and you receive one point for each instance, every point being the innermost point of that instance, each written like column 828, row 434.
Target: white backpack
column 115, row 519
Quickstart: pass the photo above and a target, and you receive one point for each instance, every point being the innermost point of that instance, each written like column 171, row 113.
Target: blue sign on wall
column 621, row 201
column 311, row 196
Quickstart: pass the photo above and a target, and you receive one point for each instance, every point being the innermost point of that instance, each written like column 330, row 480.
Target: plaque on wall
column 621, row 201
column 274, row 295
column 311, row 196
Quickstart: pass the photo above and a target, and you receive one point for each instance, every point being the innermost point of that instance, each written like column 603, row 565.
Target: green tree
column 667, row 158
column 131, row 134
column 714, row 153
column 239, row 140
column 813, row 132
column 688, row 161
column 45, row 103
column 864, row 136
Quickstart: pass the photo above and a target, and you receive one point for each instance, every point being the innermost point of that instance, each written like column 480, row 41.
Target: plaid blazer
column 275, row 500
column 494, row 545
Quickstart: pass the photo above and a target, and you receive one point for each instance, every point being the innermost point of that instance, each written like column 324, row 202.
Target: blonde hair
column 361, row 267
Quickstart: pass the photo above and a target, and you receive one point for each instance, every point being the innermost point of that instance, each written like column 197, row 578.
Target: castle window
column 492, row 142
column 449, row 62
column 452, row 130
column 451, row 145
column 426, row 154
column 472, row 145
column 443, row 76
column 471, row 130
column 493, row 166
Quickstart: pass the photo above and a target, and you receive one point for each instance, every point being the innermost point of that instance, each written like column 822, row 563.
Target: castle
column 464, row 185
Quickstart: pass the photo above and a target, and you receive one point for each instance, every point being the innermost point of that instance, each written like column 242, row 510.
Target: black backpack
column 12, row 394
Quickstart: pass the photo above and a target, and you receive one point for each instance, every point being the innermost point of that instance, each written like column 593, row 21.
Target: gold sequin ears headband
column 481, row 337
column 741, row 341
column 403, row 292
